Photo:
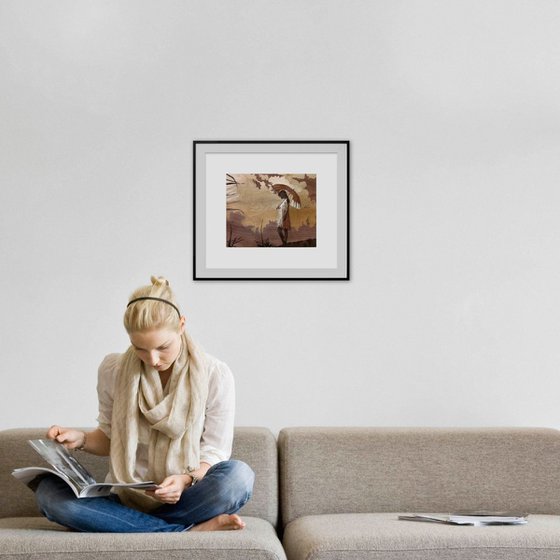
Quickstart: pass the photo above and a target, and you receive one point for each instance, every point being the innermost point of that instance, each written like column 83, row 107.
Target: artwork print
column 271, row 210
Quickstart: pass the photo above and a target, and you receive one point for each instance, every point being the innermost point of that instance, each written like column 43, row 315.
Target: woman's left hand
column 170, row 490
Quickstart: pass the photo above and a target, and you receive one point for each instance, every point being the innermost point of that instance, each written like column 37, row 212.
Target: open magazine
column 68, row 468
column 477, row 519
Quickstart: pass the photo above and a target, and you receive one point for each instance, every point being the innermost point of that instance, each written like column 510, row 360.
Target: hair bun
column 159, row 281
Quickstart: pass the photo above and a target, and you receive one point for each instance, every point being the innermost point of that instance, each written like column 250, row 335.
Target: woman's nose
column 153, row 357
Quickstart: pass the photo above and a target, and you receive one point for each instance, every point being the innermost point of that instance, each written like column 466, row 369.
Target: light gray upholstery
column 361, row 536
column 361, row 470
column 34, row 538
column 341, row 492
column 342, row 489
column 25, row 535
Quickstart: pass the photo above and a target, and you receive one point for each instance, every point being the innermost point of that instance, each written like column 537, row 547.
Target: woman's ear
column 182, row 322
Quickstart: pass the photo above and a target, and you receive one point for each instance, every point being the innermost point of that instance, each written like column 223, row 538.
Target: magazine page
column 104, row 488
column 428, row 518
column 476, row 519
column 28, row 474
column 498, row 518
column 63, row 462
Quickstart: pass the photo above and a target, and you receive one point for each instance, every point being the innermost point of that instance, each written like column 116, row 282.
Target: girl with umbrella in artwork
column 288, row 198
column 283, row 217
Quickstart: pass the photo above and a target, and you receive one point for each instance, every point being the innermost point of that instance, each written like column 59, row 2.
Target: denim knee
column 243, row 476
column 241, row 479
column 54, row 497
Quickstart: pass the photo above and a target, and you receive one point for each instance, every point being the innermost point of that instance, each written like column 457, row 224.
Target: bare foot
column 222, row 522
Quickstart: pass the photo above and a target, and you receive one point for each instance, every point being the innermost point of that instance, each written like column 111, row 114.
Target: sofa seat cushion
column 35, row 538
column 383, row 536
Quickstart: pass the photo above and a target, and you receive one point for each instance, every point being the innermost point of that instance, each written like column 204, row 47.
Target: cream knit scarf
column 174, row 420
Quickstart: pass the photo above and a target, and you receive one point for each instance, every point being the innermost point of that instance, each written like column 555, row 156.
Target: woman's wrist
column 186, row 480
column 190, row 479
column 82, row 447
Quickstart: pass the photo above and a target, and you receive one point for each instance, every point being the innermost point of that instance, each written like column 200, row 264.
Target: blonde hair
column 149, row 314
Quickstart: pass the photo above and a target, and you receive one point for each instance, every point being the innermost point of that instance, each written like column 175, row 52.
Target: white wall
column 453, row 113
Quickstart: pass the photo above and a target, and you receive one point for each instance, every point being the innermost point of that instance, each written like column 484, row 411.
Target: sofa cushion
column 38, row 539
column 382, row 536
column 361, row 470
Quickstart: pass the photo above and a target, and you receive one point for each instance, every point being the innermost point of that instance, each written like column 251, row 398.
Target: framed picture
column 271, row 210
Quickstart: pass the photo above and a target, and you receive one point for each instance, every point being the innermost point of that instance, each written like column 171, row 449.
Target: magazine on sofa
column 68, row 468
column 476, row 518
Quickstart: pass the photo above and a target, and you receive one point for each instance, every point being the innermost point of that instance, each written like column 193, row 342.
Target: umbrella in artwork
column 293, row 196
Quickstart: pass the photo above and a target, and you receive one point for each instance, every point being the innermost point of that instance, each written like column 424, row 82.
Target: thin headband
column 155, row 299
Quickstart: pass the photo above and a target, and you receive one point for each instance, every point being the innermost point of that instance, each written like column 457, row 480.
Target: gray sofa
column 25, row 535
column 342, row 489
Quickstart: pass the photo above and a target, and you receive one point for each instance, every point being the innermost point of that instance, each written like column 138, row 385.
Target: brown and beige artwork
column 271, row 210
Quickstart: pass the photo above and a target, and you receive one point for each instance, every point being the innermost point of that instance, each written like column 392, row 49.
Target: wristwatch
column 195, row 478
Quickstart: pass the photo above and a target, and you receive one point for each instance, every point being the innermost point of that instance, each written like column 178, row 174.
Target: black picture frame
column 233, row 177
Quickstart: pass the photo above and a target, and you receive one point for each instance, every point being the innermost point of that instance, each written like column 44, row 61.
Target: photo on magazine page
column 63, row 461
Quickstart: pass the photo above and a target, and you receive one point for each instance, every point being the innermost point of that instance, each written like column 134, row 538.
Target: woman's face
column 158, row 348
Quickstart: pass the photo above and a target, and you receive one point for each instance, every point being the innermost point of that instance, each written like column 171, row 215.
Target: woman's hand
column 70, row 438
column 171, row 488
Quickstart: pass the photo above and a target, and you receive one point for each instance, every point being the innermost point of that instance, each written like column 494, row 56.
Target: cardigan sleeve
column 105, row 389
column 217, row 435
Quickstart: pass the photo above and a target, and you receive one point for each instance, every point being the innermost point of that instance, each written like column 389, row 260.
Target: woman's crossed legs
column 209, row 505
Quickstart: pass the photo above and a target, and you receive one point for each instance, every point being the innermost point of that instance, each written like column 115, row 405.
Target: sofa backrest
column 360, row 470
column 256, row 446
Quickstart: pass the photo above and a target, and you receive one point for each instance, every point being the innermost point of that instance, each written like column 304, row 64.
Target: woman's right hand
column 70, row 438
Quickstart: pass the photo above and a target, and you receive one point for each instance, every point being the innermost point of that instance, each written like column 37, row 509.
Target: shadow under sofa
column 26, row 535
column 342, row 489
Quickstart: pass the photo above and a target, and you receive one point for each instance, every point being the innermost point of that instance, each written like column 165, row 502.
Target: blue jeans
column 225, row 488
